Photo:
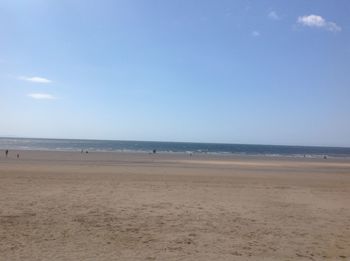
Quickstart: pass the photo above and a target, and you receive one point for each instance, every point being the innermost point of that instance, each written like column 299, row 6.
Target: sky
column 255, row 72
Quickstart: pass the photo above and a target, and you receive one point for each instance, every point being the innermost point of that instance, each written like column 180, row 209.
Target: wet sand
column 122, row 206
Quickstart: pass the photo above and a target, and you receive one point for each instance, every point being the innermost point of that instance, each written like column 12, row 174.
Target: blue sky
column 261, row 72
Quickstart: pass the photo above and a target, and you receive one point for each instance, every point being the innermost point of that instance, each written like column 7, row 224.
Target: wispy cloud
column 318, row 21
column 41, row 96
column 255, row 34
column 273, row 15
column 35, row 79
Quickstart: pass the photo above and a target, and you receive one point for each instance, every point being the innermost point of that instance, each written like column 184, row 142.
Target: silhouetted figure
column 81, row 151
column 324, row 157
column 6, row 152
column 86, row 152
column 17, row 155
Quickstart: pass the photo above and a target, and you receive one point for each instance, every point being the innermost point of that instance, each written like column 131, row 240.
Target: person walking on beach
column 17, row 155
column 6, row 152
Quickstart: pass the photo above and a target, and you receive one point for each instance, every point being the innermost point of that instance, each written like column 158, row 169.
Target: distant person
column 17, row 155
column 81, row 151
column 324, row 157
column 86, row 152
column 154, row 151
column 7, row 152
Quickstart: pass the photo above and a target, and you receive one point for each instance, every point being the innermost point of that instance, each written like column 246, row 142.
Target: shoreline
column 185, row 153
column 189, row 148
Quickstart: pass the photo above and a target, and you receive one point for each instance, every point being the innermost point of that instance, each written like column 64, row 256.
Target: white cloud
column 273, row 15
column 42, row 96
column 318, row 22
column 331, row 26
column 255, row 33
column 35, row 79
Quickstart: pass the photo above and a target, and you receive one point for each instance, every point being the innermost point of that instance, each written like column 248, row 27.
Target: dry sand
column 113, row 206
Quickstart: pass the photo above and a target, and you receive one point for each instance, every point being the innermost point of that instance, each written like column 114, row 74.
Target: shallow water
column 170, row 147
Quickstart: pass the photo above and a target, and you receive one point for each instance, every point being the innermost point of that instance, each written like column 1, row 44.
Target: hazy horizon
column 242, row 72
column 168, row 141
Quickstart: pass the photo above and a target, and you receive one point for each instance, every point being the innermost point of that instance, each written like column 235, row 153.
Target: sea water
column 170, row 147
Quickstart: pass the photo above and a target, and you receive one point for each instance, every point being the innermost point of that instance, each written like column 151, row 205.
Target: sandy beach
column 124, row 206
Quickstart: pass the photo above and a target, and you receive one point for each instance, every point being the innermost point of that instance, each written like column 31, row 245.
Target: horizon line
column 193, row 142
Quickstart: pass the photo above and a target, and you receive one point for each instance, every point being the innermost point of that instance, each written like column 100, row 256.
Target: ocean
column 170, row 147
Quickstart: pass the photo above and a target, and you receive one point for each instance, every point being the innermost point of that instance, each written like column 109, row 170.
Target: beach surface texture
column 139, row 206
